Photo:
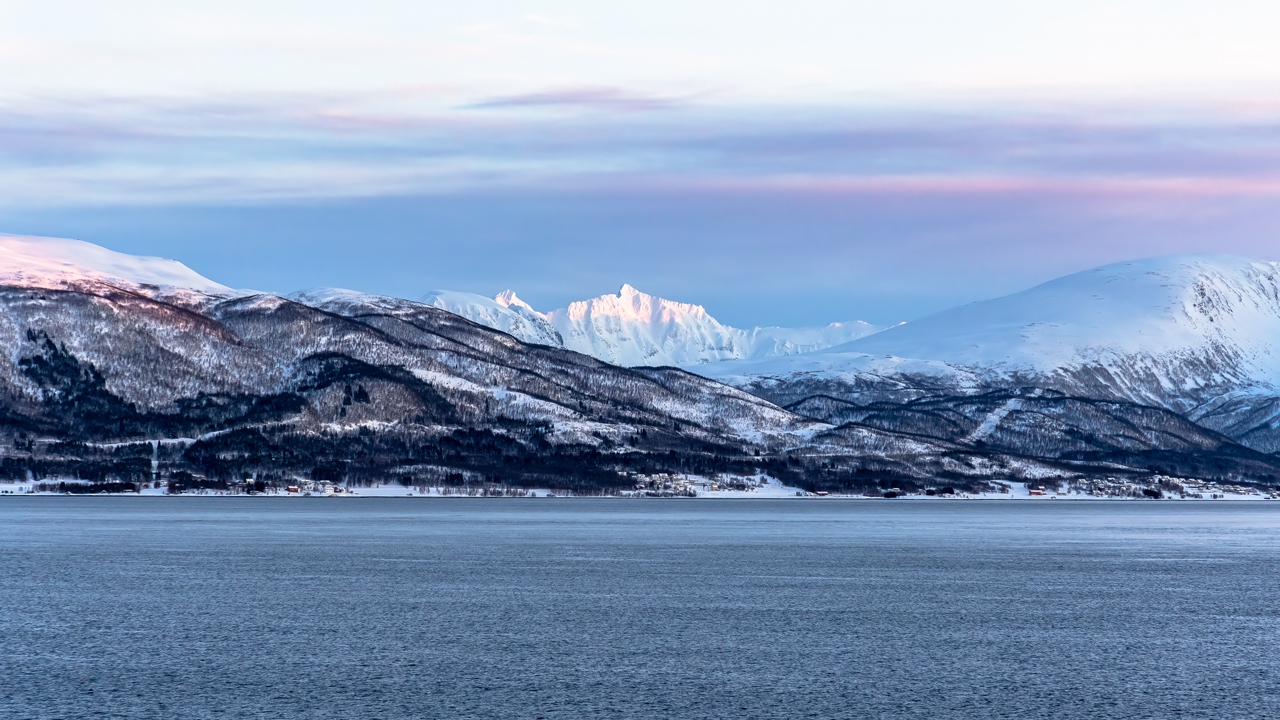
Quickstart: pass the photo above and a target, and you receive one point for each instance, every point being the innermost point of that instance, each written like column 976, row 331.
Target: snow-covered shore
column 700, row 488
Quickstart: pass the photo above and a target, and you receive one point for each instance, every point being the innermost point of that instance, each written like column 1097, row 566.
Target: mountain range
column 127, row 369
column 636, row 329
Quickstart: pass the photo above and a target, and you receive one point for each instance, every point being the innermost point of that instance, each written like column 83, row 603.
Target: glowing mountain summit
column 633, row 328
column 53, row 263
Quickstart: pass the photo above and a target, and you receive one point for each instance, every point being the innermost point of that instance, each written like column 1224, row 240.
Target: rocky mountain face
column 122, row 369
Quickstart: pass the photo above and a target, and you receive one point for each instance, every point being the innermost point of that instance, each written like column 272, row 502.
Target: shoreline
column 1018, row 492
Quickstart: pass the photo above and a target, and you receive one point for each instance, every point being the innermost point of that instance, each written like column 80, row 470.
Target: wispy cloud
column 247, row 148
column 599, row 98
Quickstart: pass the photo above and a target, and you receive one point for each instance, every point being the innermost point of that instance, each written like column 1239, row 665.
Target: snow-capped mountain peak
column 1195, row 334
column 58, row 262
column 634, row 328
column 632, row 306
column 506, row 312
column 1151, row 307
column 507, row 299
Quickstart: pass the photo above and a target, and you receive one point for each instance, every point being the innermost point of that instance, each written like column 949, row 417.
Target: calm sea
column 556, row 608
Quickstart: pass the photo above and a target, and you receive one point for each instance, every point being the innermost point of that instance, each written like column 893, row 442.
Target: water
column 297, row 608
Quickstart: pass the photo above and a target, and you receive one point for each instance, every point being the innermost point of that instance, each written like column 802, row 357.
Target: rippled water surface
column 555, row 608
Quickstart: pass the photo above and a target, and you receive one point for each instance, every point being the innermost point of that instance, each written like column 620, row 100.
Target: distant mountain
column 506, row 313
column 635, row 329
column 1197, row 335
column 1220, row 313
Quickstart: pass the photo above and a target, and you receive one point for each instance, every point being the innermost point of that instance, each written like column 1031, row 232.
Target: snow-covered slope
column 780, row 341
column 507, row 313
column 1212, row 307
column 519, row 321
column 1196, row 334
column 56, row 263
column 635, row 329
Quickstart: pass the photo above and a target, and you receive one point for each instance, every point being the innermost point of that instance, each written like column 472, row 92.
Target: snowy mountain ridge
column 1196, row 334
column 55, row 263
column 634, row 328
column 1150, row 307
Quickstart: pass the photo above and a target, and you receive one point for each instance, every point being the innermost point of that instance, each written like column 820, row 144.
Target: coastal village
column 670, row 485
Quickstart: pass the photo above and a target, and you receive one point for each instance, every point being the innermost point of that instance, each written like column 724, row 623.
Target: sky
column 779, row 163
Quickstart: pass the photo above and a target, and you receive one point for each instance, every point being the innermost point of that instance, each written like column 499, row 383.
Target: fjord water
column 117, row 607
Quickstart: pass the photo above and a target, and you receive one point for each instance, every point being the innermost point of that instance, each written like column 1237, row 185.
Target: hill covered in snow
column 1217, row 310
column 55, row 263
column 1199, row 335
